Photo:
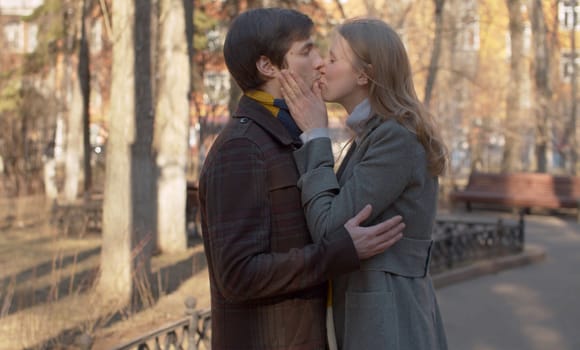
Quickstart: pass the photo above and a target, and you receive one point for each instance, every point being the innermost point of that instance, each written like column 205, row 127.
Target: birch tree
column 129, row 211
column 78, row 104
column 172, row 125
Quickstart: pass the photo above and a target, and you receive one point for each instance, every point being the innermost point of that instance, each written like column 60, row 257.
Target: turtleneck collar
column 357, row 120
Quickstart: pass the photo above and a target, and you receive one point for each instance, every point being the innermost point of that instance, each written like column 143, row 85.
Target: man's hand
column 373, row 240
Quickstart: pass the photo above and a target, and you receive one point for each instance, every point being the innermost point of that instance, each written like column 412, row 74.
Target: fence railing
column 460, row 241
column 457, row 242
column 193, row 332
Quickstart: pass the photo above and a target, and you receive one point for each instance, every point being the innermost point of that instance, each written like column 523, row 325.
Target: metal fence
column 457, row 242
column 460, row 241
column 193, row 332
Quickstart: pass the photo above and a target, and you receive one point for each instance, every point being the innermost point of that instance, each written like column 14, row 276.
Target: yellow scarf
column 265, row 99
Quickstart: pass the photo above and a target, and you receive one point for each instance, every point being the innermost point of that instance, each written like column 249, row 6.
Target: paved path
column 535, row 307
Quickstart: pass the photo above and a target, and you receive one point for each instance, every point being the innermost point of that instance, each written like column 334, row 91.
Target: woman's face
column 340, row 81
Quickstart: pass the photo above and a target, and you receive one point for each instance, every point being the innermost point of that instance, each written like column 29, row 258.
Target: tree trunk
column 129, row 199
column 74, row 130
column 85, row 85
column 543, row 91
column 172, row 126
column 574, row 101
column 436, row 53
column 398, row 12
column 511, row 152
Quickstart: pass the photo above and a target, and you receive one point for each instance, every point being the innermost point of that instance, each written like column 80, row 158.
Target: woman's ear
column 266, row 68
column 363, row 78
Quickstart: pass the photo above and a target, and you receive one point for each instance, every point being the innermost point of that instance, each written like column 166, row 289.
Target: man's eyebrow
column 307, row 45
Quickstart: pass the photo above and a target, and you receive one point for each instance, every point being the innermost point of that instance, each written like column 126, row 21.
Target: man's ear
column 266, row 68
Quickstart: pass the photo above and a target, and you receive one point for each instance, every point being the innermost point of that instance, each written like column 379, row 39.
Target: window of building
column 468, row 39
column 13, row 36
column 217, row 87
column 566, row 14
column 32, row 37
column 566, row 65
column 214, row 40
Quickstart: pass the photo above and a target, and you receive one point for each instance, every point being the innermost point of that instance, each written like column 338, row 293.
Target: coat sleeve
column 235, row 205
column 378, row 179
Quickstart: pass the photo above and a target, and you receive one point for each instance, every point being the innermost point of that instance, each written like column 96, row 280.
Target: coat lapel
column 251, row 109
column 345, row 168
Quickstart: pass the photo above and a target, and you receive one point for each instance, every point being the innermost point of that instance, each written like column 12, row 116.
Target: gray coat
column 390, row 303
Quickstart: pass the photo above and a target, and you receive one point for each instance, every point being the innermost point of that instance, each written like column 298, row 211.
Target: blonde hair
column 381, row 56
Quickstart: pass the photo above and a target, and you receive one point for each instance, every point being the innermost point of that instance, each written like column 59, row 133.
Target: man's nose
column 318, row 61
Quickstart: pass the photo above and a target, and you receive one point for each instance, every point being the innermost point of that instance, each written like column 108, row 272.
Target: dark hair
column 262, row 32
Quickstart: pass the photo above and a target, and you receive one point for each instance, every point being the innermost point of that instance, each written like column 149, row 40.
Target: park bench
column 78, row 218
column 522, row 191
column 85, row 216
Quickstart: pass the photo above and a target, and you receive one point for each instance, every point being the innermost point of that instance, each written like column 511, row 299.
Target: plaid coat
column 267, row 278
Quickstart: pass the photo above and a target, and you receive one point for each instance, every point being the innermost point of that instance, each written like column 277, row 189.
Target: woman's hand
column 306, row 104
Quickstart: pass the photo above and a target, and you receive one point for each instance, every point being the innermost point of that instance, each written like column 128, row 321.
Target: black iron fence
column 192, row 332
column 457, row 242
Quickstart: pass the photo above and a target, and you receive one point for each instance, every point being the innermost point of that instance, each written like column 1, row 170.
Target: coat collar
column 371, row 124
column 255, row 111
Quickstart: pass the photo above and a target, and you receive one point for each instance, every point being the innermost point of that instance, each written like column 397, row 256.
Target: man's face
column 304, row 60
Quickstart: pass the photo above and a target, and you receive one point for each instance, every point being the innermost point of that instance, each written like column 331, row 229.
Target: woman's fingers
column 307, row 107
column 286, row 87
column 290, row 84
column 299, row 84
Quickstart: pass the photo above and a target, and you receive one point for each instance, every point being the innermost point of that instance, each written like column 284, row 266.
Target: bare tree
column 172, row 125
column 511, row 150
column 543, row 90
column 85, row 85
column 129, row 211
column 436, row 52
column 76, row 103
column 572, row 132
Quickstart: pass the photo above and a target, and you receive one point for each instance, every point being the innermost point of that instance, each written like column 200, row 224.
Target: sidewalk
column 535, row 307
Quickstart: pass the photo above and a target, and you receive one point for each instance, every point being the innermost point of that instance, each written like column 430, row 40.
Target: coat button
column 243, row 120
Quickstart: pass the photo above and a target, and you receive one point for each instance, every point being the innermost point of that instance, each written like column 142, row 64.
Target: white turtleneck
column 355, row 121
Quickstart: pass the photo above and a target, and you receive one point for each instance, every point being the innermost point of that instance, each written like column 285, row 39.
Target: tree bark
column 130, row 198
column 436, row 53
column 511, row 152
column 574, row 101
column 85, row 86
column 543, row 90
column 172, row 126
column 74, row 130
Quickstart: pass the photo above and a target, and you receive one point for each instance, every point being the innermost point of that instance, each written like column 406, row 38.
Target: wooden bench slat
column 521, row 190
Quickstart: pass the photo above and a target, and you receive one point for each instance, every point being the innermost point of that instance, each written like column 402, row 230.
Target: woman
column 393, row 164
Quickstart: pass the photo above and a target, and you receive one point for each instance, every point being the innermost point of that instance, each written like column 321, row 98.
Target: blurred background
column 500, row 76
column 108, row 109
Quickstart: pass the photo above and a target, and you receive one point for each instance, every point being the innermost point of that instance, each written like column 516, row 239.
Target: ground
column 45, row 279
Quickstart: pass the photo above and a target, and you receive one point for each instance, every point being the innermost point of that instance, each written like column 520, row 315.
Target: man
column 267, row 278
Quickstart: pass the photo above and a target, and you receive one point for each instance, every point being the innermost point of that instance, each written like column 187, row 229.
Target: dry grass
column 44, row 295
